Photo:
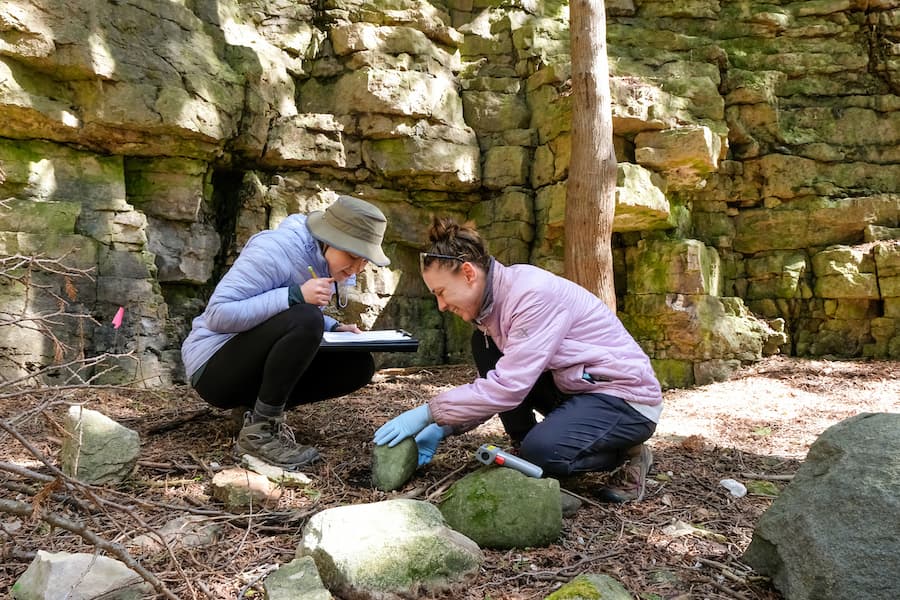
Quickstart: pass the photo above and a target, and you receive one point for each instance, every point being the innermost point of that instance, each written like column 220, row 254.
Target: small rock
column 393, row 467
column 569, row 503
column 275, row 474
column 588, row 586
column 737, row 489
column 79, row 576
column 239, row 489
column 189, row 531
column 97, row 450
column 296, row 580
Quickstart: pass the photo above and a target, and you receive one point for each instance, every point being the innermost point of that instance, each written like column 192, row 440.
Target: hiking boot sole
column 310, row 456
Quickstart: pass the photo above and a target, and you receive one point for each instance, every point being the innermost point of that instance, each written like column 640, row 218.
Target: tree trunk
column 590, row 196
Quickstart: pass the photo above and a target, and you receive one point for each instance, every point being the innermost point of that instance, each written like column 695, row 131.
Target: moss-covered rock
column 383, row 549
column 502, row 508
column 590, row 586
column 673, row 266
column 393, row 466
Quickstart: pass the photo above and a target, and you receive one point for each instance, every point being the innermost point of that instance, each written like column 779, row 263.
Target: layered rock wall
column 757, row 203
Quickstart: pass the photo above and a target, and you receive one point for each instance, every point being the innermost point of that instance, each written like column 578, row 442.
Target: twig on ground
column 726, row 571
column 582, row 498
column 438, row 488
column 730, row 593
column 24, row 510
column 202, row 464
column 168, row 425
column 169, row 466
column 764, row 477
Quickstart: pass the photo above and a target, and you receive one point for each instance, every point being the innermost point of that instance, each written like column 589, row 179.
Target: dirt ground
column 685, row 540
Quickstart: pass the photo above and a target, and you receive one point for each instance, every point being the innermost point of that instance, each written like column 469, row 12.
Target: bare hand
column 318, row 290
column 353, row 328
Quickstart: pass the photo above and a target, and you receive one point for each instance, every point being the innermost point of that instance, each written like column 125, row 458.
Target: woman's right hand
column 318, row 290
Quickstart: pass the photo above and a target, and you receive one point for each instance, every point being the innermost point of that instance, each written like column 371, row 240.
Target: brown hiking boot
column 629, row 482
column 272, row 441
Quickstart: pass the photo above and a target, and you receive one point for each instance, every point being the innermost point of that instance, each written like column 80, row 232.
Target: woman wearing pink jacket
column 542, row 344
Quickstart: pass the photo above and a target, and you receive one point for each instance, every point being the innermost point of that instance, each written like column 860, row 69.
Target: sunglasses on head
column 431, row 256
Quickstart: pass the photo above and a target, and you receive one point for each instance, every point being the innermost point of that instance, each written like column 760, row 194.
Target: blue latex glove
column 428, row 440
column 403, row 426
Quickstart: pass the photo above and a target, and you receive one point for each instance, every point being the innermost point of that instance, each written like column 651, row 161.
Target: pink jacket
column 543, row 322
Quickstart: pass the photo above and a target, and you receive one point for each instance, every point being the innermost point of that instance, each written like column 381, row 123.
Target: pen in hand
column 318, row 294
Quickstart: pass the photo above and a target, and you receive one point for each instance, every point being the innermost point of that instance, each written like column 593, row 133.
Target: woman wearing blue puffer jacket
column 257, row 343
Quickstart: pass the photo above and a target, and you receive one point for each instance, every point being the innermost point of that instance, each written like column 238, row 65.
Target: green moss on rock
column 590, row 586
column 502, row 508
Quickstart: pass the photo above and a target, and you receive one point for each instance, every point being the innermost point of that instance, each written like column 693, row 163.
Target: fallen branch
column 583, row 499
column 726, row 571
column 172, row 424
column 725, row 590
column 168, row 466
column 440, row 486
column 27, row 511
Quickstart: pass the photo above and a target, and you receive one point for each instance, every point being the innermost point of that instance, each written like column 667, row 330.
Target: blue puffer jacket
column 255, row 288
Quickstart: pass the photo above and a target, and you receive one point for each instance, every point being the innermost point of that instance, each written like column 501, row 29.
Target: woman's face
column 458, row 291
column 342, row 264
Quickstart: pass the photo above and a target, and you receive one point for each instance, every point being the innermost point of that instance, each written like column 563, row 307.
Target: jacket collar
column 487, row 300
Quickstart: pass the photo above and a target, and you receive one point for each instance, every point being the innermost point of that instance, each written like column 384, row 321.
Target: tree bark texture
column 590, row 196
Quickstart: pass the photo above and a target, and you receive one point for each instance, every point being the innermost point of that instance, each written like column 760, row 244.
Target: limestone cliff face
column 145, row 141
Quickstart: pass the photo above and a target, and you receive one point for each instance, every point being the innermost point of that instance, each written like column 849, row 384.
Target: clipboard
column 380, row 340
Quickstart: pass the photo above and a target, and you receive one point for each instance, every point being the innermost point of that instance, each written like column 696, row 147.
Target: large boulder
column 502, row 508
column 834, row 532
column 387, row 550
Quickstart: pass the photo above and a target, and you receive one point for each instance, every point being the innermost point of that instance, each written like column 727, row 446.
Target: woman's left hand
column 343, row 327
column 428, row 440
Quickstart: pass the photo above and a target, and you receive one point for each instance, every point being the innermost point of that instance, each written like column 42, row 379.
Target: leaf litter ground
column 685, row 540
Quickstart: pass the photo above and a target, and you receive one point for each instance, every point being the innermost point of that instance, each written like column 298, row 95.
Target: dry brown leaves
column 684, row 541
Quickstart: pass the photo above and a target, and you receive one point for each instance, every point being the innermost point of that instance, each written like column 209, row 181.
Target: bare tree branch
column 27, row 511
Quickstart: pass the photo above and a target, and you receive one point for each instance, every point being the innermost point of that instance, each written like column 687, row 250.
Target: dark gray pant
column 583, row 432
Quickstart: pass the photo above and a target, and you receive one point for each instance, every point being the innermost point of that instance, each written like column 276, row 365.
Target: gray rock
column 590, row 586
column 845, row 272
column 387, row 550
column 307, row 139
column 641, row 202
column 502, row 508
column 393, row 467
column 189, row 531
column 81, row 576
column 97, row 450
column 834, row 532
column 296, row 580
column 685, row 154
column 568, row 503
column 241, row 490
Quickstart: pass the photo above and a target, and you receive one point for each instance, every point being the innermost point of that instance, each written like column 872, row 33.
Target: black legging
column 279, row 363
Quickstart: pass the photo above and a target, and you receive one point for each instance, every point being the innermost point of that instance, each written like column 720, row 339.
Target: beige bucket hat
column 351, row 225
